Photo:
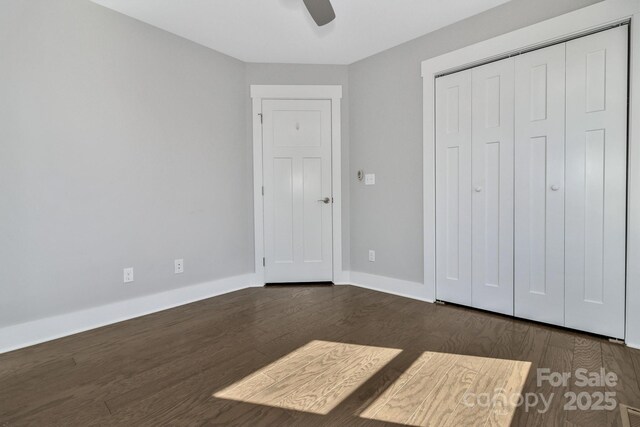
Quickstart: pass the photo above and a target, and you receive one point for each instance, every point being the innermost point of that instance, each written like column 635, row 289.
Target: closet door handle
column 555, row 187
column 478, row 189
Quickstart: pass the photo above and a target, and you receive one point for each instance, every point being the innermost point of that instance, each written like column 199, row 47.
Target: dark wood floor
column 164, row 368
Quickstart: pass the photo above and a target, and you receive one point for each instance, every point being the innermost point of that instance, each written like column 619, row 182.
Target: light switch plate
column 178, row 266
column 370, row 179
column 128, row 275
column 372, row 256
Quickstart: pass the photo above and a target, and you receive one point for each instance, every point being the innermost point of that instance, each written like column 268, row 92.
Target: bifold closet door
column 453, row 188
column 539, row 184
column 596, row 150
column 492, row 184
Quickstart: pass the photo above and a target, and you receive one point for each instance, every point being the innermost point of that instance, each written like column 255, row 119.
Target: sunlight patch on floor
column 314, row 378
column 452, row 389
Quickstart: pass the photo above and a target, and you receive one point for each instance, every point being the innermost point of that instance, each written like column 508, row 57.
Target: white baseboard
column 389, row 285
column 343, row 279
column 38, row 331
column 632, row 345
column 26, row 334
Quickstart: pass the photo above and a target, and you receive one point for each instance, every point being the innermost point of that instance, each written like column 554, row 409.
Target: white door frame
column 572, row 24
column 332, row 93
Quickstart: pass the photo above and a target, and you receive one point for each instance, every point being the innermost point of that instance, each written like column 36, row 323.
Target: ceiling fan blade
column 321, row 11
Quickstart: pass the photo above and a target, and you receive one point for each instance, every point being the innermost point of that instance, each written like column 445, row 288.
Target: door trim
column 570, row 25
column 332, row 93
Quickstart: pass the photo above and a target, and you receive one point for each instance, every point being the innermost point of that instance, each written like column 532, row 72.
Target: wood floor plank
column 172, row 371
column 411, row 395
column 397, row 385
column 485, row 335
column 68, row 411
column 167, row 367
column 136, row 377
column 510, row 342
column 44, row 372
column 556, row 359
column 321, row 382
column 562, row 339
column 437, row 407
column 504, row 411
column 298, row 359
column 587, row 355
column 341, row 383
column 634, row 354
column 532, row 349
column 473, row 412
column 617, row 359
column 193, row 394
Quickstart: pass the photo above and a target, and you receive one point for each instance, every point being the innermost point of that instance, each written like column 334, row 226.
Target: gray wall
column 293, row 74
column 386, row 135
column 123, row 145
column 120, row 145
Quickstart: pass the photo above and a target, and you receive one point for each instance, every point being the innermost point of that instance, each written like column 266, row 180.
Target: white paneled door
column 539, row 184
column 492, row 183
column 297, row 190
column 453, row 188
column 596, row 151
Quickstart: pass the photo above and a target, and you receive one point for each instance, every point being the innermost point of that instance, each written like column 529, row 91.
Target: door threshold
column 297, row 284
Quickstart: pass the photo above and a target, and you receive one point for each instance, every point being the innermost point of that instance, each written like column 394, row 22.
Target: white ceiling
column 282, row 30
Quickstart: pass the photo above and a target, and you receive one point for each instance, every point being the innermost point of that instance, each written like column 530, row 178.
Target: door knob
column 478, row 189
column 555, row 187
column 326, row 200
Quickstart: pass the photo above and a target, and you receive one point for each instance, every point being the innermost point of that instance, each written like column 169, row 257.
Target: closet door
column 539, row 184
column 596, row 182
column 492, row 183
column 453, row 188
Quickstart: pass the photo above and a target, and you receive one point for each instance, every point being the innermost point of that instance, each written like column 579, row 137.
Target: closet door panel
column 539, row 184
column 596, row 182
column 453, row 188
column 492, row 181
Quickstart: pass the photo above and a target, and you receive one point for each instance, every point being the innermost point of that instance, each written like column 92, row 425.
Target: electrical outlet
column 128, row 275
column 372, row 256
column 178, row 266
